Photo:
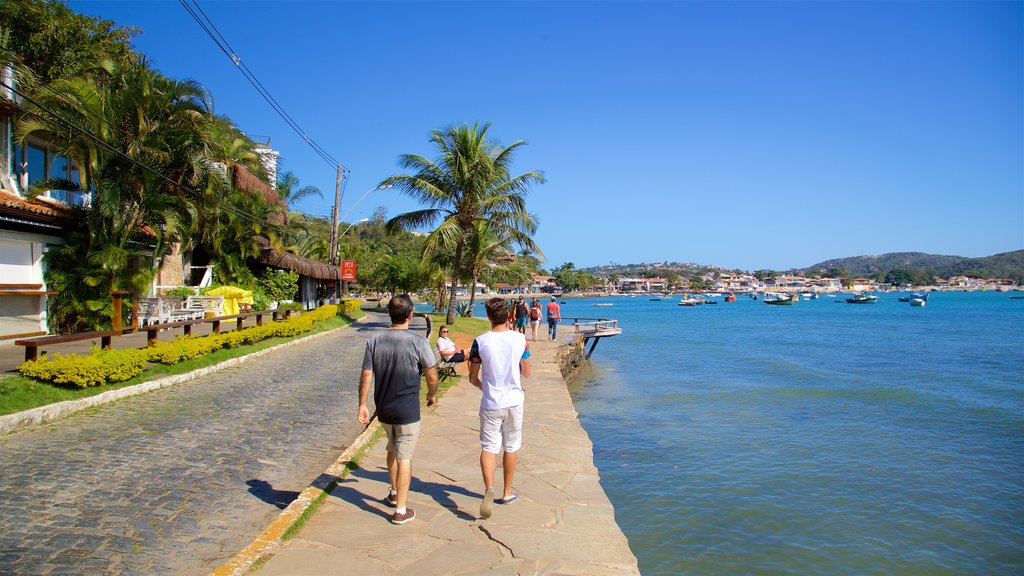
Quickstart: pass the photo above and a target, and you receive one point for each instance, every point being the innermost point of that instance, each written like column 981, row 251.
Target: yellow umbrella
column 233, row 296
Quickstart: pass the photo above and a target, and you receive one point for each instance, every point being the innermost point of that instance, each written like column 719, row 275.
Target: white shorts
column 501, row 429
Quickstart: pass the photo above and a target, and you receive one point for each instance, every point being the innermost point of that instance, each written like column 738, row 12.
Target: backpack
column 534, row 313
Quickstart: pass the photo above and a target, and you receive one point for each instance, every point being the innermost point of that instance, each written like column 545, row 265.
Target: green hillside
column 1005, row 265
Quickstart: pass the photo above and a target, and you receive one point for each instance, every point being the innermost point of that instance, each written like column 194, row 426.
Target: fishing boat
column 730, row 298
column 780, row 299
column 862, row 299
column 913, row 295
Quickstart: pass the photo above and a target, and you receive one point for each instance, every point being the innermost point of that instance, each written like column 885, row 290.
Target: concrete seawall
column 562, row 523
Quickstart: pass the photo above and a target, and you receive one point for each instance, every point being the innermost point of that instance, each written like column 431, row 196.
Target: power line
column 211, row 30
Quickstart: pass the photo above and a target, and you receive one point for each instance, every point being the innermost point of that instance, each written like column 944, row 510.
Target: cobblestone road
column 179, row 480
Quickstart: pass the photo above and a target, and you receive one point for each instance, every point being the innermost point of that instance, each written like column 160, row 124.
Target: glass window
column 36, row 164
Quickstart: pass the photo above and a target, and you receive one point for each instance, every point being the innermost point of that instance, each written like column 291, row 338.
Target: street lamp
column 350, row 227
column 334, row 226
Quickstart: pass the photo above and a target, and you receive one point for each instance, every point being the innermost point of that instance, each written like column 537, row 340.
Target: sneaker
column 507, row 500
column 485, row 504
column 390, row 500
column 397, row 518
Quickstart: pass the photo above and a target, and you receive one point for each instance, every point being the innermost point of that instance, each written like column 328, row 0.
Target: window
column 35, row 162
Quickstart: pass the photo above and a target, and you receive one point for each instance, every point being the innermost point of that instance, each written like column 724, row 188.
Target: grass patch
column 18, row 393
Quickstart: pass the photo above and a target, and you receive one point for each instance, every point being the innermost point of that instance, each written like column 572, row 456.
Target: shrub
column 184, row 348
column 349, row 306
column 181, row 291
column 93, row 369
column 103, row 366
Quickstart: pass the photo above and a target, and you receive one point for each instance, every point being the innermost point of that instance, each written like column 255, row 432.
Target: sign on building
column 348, row 270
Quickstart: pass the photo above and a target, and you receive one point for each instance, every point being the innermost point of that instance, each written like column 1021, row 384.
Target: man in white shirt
column 497, row 361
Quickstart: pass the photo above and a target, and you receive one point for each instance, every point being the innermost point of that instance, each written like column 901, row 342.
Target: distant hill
column 1005, row 265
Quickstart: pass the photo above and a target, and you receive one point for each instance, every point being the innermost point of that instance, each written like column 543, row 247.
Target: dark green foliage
column 55, row 42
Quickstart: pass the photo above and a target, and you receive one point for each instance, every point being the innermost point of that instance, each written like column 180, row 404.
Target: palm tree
column 483, row 246
column 288, row 189
column 469, row 182
column 133, row 116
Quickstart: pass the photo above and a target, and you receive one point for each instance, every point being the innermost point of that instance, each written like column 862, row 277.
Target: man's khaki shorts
column 402, row 438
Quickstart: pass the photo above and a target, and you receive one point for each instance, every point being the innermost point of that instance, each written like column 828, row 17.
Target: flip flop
column 508, row 500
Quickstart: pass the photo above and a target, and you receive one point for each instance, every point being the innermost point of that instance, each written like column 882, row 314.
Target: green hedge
column 103, row 366
column 349, row 306
column 96, row 368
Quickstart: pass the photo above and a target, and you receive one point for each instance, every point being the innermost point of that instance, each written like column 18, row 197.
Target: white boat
column 689, row 302
column 918, row 301
column 604, row 304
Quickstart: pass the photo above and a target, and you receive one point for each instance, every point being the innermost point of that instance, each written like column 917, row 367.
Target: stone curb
column 45, row 414
column 270, row 539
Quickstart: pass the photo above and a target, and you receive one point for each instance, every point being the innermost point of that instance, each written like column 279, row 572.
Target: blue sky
column 747, row 135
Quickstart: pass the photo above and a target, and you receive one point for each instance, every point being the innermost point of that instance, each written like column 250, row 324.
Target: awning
column 275, row 258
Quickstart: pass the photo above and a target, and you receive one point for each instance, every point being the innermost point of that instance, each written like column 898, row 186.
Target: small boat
column 655, row 299
column 730, row 298
column 918, row 301
column 862, row 299
column 809, row 295
column 604, row 304
column 689, row 302
column 779, row 299
column 912, row 295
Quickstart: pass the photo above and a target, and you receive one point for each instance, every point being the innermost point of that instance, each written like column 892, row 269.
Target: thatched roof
column 245, row 180
column 273, row 257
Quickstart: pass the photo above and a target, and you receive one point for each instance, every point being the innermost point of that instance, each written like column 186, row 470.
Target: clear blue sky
column 741, row 134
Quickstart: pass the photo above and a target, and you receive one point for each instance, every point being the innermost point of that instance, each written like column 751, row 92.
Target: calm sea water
column 821, row 438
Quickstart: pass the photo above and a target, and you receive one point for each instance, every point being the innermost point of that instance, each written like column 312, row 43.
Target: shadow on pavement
column 440, row 493
column 265, row 492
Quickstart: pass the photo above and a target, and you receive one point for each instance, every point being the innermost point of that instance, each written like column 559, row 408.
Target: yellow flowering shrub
column 103, row 366
column 84, row 370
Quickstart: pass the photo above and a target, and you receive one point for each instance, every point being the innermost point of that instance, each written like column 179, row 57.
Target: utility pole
column 333, row 260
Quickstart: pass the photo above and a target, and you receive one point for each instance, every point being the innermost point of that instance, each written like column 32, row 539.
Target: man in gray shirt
column 394, row 361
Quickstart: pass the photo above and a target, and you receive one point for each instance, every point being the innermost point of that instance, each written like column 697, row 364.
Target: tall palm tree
column 469, row 182
column 133, row 115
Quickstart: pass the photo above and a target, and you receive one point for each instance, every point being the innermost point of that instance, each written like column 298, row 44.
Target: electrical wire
column 211, row 30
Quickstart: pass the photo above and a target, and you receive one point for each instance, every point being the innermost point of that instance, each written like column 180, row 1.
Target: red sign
column 348, row 270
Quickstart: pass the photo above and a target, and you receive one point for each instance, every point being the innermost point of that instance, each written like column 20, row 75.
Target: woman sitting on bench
column 447, row 348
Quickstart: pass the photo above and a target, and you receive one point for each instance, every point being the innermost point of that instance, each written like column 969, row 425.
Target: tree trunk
column 472, row 295
column 455, row 282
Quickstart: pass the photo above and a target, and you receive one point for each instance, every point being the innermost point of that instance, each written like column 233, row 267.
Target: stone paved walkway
column 178, row 480
column 562, row 524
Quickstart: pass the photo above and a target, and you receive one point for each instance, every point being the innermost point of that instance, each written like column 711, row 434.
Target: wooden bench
column 445, row 369
column 32, row 345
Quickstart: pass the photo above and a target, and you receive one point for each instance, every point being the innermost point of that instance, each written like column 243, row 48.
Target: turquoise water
column 822, row 438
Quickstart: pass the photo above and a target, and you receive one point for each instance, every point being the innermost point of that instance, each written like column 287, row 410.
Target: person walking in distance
column 554, row 313
column 498, row 360
column 394, row 360
column 535, row 312
column 522, row 314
